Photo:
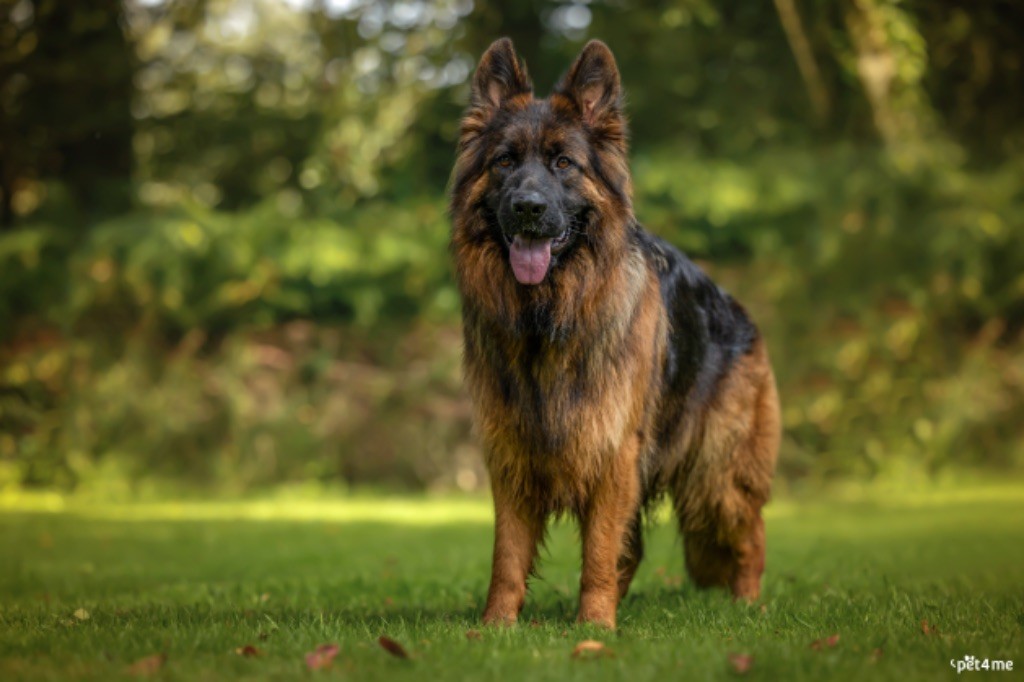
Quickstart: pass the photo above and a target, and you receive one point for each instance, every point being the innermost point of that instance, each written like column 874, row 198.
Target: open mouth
column 530, row 257
column 556, row 241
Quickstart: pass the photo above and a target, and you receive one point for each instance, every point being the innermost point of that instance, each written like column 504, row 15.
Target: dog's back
column 718, row 425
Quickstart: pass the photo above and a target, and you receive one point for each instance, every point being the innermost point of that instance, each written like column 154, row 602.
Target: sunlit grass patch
column 427, row 510
column 398, row 510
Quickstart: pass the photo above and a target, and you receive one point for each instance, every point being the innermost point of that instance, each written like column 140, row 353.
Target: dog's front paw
column 500, row 618
column 597, row 612
column 604, row 620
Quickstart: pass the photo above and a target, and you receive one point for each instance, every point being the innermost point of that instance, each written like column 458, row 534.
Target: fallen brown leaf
column 590, row 648
column 392, row 647
column 825, row 642
column 322, row 656
column 674, row 580
column 927, row 628
column 249, row 651
column 473, row 634
column 149, row 665
column 741, row 662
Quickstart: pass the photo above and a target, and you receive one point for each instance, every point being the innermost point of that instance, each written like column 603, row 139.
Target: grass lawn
column 86, row 590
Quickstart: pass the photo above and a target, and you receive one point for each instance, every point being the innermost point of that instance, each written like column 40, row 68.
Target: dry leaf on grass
column 81, row 614
column 590, row 648
column 928, row 629
column 741, row 662
column 149, row 665
column 392, row 647
column 825, row 642
column 322, row 656
column 249, row 651
column 473, row 634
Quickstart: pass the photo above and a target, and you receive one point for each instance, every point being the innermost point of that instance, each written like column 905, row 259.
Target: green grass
column 199, row 580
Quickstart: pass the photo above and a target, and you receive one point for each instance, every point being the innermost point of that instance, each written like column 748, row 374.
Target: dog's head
column 543, row 181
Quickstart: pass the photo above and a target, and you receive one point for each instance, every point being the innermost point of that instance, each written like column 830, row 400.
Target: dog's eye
column 563, row 162
column 505, row 161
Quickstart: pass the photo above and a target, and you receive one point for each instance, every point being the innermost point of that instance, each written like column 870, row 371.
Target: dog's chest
column 553, row 404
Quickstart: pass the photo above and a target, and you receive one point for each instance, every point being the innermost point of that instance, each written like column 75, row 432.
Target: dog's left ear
column 592, row 82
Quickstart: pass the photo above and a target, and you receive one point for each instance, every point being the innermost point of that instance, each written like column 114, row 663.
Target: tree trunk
column 78, row 102
column 793, row 27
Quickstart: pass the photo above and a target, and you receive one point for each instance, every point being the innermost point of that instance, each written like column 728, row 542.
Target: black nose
column 529, row 206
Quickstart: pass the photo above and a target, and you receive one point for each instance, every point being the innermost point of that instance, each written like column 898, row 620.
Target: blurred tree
column 66, row 74
column 975, row 68
column 226, row 99
column 859, row 162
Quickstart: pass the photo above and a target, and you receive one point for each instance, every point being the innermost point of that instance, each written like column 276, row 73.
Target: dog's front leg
column 612, row 506
column 517, row 532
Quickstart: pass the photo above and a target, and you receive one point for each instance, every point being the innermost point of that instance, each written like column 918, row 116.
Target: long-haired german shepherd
column 605, row 368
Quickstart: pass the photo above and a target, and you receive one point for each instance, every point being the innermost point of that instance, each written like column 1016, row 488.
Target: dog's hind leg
column 726, row 480
column 735, row 561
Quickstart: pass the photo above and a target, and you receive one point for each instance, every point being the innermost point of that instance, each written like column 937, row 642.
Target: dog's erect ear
column 499, row 76
column 592, row 82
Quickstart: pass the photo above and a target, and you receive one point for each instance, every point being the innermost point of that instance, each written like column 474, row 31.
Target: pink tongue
column 530, row 259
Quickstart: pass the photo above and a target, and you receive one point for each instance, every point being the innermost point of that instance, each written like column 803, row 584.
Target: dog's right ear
column 499, row 76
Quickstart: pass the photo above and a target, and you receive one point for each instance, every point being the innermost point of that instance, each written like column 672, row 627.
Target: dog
column 604, row 367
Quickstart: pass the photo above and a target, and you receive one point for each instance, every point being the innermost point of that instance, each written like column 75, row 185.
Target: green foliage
column 894, row 336
column 300, row 403
column 901, row 334
column 290, row 162
column 195, row 268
